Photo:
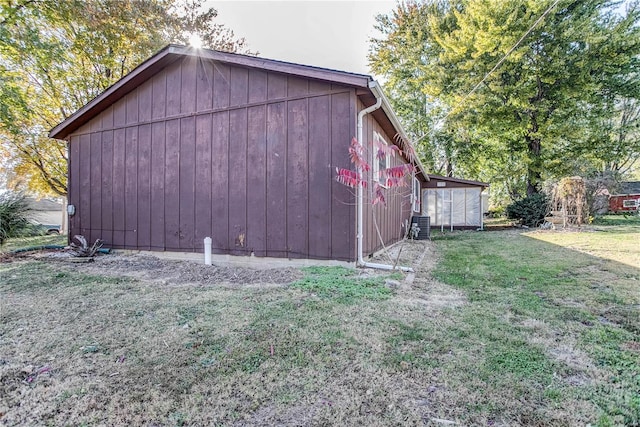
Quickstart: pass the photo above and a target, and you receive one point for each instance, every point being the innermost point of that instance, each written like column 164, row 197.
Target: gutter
column 375, row 89
column 386, row 107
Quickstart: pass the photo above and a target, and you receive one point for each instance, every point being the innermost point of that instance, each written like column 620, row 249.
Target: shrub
column 530, row 211
column 13, row 215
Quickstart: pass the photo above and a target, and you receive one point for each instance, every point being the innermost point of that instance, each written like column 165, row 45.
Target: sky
column 329, row 34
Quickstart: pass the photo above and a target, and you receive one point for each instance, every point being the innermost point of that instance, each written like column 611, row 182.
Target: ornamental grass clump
column 13, row 215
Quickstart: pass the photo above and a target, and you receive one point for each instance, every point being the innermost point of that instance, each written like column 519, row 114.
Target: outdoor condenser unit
column 424, row 223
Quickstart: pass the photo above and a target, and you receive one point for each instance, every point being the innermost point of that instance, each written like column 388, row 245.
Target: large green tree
column 56, row 56
column 541, row 111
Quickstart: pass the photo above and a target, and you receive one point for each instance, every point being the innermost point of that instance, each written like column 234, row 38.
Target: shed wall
column 389, row 219
column 201, row 149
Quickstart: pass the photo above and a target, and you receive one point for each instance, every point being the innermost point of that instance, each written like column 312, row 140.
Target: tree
column 541, row 108
column 57, row 56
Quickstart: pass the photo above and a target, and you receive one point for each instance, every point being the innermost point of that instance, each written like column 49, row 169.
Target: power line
column 535, row 24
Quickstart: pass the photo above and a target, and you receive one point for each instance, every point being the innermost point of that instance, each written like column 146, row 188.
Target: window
column 415, row 196
column 379, row 164
column 629, row 203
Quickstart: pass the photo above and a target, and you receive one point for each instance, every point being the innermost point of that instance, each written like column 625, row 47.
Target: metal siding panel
column 96, row 188
column 131, row 188
column 74, row 184
column 188, row 85
column 118, row 187
column 220, row 85
column 320, row 177
column 107, row 187
column 187, row 182
column 157, row 185
column 257, row 85
column 276, row 86
column 84, row 177
column 342, row 197
column 276, row 180
column 204, row 86
column 237, row 180
column 220, row 181
column 172, row 185
column 297, row 176
column 256, row 181
column 239, row 86
column 159, row 95
column 144, row 187
column 173, row 88
column 203, row 198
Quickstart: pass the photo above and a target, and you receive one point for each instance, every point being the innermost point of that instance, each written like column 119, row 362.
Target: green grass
column 546, row 333
column 343, row 285
column 584, row 302
column 620, row 220
column 24, row 242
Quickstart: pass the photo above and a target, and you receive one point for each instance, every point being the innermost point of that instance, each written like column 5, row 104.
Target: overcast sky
column 330, row 34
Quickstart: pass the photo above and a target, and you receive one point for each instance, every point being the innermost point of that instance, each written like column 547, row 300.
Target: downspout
column 360, row 192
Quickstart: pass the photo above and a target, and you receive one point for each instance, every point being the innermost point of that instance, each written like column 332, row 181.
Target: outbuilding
column 196, row 143
column 627, row 199
column 453, row 202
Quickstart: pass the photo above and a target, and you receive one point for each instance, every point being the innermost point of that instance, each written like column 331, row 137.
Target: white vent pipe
column 207, row 250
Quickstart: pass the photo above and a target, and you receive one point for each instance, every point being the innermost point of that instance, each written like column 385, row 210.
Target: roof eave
column 62, row 130
column 376, row 89
column 460, row 180
column 171, row 53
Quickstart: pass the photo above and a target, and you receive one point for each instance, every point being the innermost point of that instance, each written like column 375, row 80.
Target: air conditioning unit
column 424, row 223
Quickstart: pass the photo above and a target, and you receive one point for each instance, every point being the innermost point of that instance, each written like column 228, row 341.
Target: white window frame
column 630, row 203
column 415, row 194
column 379, row 139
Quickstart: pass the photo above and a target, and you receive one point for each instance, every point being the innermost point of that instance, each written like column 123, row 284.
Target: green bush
column 530, row 211
column 13, row 215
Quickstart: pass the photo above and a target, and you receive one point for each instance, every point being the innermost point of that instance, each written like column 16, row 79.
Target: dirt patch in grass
column 170, row 272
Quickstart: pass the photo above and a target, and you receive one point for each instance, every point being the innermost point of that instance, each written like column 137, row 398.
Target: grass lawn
column 536, row 328
column 24, row 242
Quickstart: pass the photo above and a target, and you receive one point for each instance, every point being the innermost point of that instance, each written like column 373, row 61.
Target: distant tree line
column 563, row 102
column 55, row 56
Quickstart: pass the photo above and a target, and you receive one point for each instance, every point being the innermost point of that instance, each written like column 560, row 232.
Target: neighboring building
column 48, row 212
column 454, row 203
column 196, row 143
column 628, row 198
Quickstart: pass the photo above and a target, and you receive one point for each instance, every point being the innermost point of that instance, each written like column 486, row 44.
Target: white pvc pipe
column 360, row 193
column 386, row 266
column 207, row 250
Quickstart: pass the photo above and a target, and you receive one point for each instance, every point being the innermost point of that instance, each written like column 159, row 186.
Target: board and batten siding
column 389, row 219
column 203, row 148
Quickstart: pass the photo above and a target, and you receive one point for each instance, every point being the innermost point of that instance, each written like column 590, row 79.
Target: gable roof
column 171, row 53
column 457, row 180
column 629, row 187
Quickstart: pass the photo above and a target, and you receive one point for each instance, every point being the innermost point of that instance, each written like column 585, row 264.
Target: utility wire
column 486, row 76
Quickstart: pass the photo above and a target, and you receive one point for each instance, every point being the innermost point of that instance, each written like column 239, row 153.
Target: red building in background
column 628, row 200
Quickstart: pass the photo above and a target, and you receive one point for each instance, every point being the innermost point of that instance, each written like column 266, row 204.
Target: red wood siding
column 616, row 202
column 390, row 219
column 201, row 149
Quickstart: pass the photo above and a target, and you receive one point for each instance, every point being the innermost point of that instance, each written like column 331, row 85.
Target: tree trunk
column 534, row 167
